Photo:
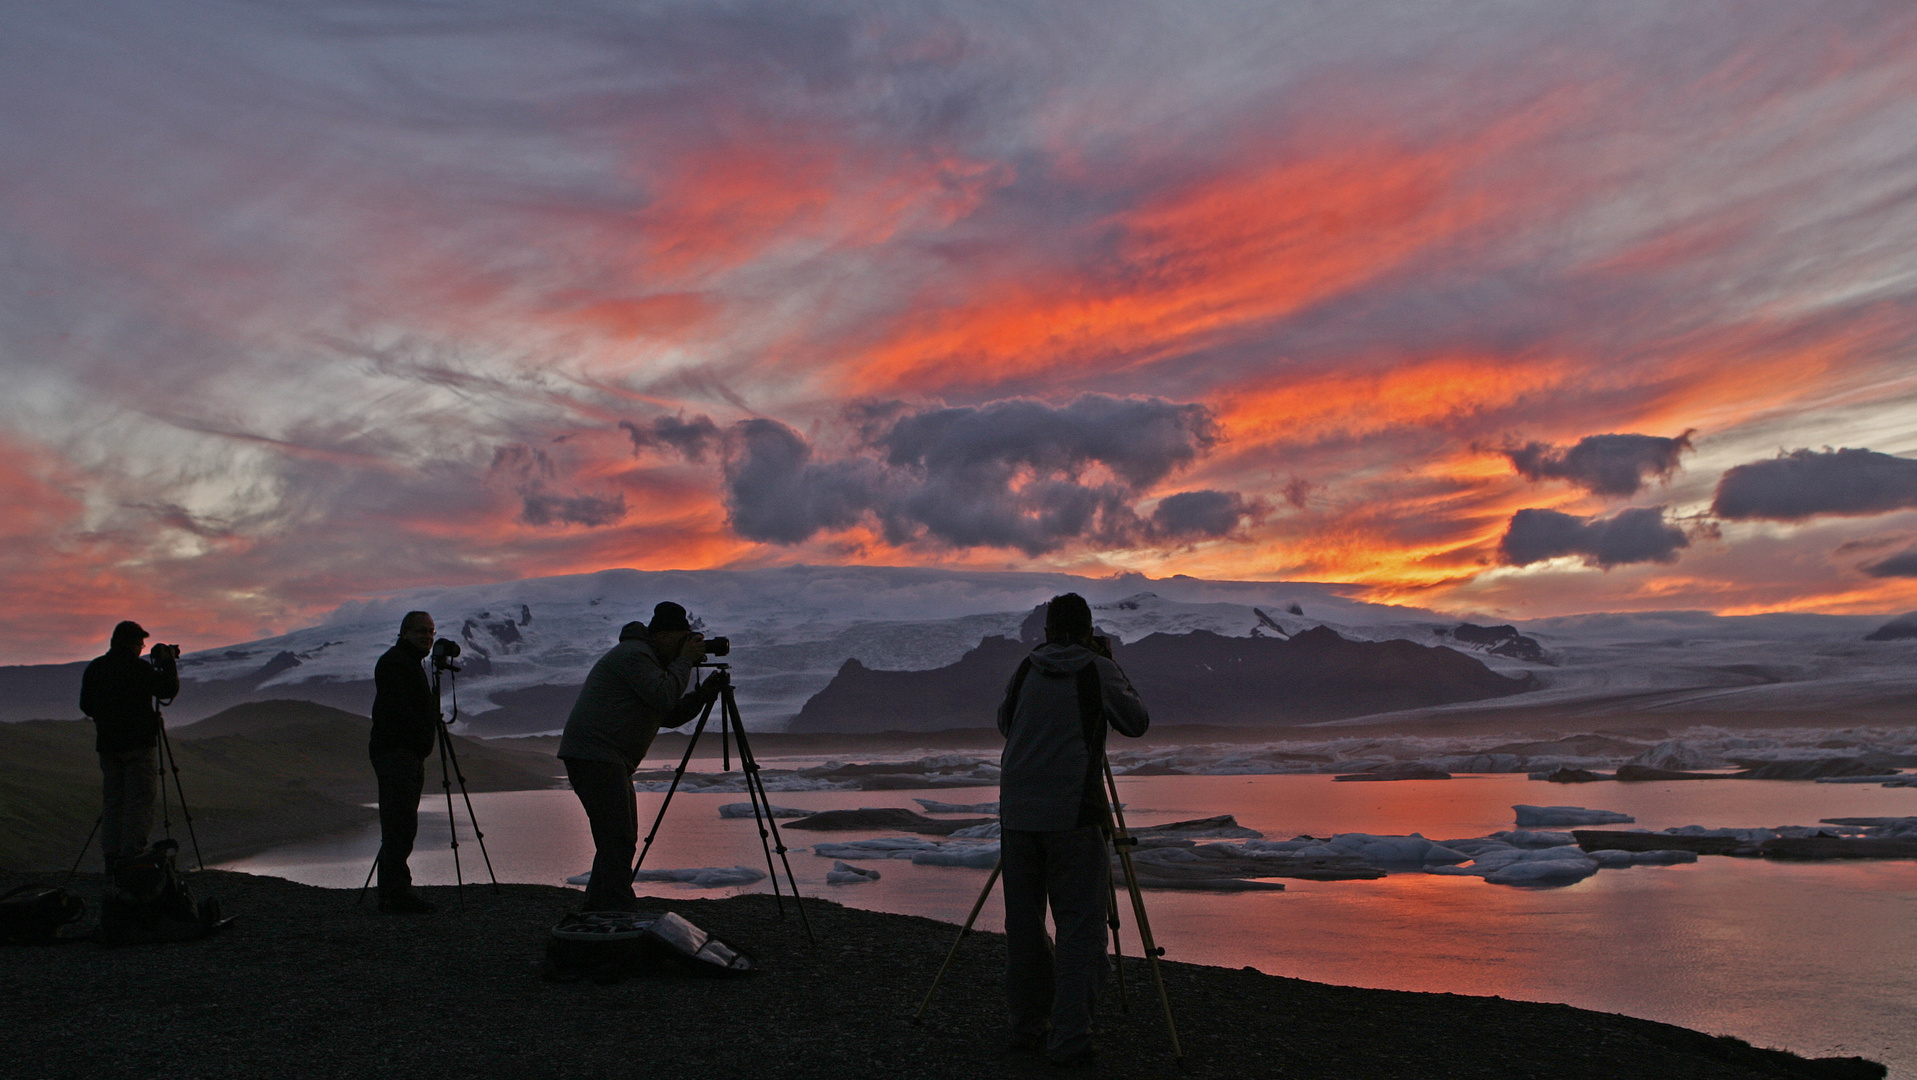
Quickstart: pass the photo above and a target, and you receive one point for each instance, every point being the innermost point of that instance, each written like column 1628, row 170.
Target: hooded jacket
column 1053, row 717
column 627, row 697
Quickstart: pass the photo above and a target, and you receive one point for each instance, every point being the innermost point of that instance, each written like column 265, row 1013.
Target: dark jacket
column 628, row 696
column 405, row 712
column 1054, row 716
column 117, row 691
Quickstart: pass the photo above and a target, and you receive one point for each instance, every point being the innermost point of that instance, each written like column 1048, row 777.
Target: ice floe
column 933, row 806
column 1534, row 816
column 843, row 874
column 744, row 810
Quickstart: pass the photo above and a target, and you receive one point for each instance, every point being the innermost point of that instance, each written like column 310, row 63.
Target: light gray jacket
column 627, row 695
column 1052, row 769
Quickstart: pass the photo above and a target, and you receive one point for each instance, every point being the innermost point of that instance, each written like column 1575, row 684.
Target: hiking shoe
column 1084, row 1059
column 407, row 904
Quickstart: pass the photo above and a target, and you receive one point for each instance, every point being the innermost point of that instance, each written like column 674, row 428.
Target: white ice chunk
column 989, row 831
column 744, row 810
column 842, row 874
column 933, row 806
column 1531, row 817
column 1413, row 850
column 703, row 877
column 887, row 847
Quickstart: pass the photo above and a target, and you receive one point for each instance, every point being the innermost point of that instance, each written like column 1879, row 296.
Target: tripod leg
column 369, row 874
column 453, row 755
column 1123, row 841
column 185, row 811
column 1118, row 946
column 918, row 1018
column 95, row 831
column 677, row 775
column 750, row 765
column 452, row 823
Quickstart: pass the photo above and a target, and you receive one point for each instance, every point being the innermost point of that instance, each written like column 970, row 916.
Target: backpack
column 607, row 946
column 151, row 902
column 34, row 914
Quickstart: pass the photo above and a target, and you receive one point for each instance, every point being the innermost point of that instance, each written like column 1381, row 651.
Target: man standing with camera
column 405, row 730
column 1054, row 814
column 635, row 689
column 118, row 692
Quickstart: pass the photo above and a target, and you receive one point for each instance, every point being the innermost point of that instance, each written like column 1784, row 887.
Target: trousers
column 1070, row 872
column 129, row 779
column 402, row 776
column 604, row 790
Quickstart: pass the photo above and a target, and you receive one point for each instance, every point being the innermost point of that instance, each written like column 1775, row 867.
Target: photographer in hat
column 118, row 691
column 406, row 721
column 635, row 689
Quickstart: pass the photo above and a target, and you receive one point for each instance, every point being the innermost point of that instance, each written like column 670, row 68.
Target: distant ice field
column 1814, row 958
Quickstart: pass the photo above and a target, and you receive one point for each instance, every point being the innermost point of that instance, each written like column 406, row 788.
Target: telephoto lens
column 718, row 646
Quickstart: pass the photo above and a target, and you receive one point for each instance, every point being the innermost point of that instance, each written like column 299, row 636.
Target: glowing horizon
column 319, row 303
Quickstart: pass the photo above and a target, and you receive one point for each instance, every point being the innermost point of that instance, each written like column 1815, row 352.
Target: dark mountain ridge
column 1192, row 678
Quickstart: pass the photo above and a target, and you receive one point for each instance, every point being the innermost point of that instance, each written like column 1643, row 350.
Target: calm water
column 1816, row 958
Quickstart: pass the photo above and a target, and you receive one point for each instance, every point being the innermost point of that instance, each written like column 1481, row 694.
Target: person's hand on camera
column 693, row 647
column 709, row 689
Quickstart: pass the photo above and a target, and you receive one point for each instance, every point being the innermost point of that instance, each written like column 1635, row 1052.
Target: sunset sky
column 1512, row 308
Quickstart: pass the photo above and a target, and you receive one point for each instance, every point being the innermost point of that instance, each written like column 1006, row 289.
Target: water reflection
column 1810, row 957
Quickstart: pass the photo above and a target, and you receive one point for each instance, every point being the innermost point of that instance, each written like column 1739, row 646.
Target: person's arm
column 1123, row 710
column 658, row 686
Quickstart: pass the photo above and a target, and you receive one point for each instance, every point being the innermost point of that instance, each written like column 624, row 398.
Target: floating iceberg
column 703, row 877
column 977, row 856
column 888, row 847
column 933, row 806
column 842, row 874
column 744, row 810
column 1533, row 816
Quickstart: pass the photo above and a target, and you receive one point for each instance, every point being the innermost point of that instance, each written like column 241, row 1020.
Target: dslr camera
column 165, row 654
column 444, row 650
column 718, row 646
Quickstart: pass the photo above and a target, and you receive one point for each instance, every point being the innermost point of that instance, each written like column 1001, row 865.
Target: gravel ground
column 307, row 983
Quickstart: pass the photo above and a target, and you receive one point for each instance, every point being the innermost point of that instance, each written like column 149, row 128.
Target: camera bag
column 34, row 914
column 150, row 902
column 607, row 946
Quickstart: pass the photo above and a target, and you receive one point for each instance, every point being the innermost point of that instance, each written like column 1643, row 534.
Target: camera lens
column 718, row 646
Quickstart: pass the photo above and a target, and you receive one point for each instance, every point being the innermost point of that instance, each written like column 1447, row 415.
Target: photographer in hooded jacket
column 636, row 688
column 118, row 692
column 405, row 730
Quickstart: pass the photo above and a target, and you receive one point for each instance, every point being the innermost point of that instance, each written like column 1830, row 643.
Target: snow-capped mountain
column 527, row 644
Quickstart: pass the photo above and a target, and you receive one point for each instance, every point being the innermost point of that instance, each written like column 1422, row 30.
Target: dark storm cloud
column 691, row 438
column 1809, row 483
column 1637, row 535
column 532, row 473
column 1019, row 474
column 1902, row 564
column 1602, row 464
column 1201, row 513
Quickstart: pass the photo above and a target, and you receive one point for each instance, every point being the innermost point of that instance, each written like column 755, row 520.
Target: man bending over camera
column 635, row 689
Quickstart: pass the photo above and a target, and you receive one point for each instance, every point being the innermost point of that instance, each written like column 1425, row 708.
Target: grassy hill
column 255, row 775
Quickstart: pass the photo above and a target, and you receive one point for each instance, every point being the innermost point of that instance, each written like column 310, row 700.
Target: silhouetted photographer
column 405, row 727
column 119, row 691
column 635, row 689
column 1054, row 811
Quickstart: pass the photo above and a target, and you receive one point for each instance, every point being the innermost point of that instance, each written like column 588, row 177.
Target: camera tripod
column 166, row 761
column 449, row 771
column 1122, row 843
column 730, row 727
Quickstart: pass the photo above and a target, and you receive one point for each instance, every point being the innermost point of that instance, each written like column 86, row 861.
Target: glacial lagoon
column 1818, row 958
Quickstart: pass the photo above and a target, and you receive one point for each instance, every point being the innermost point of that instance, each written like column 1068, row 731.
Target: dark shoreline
column 308, row 983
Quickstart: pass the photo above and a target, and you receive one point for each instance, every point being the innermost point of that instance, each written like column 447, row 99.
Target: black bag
column 151, row 902
column 34, row 914
column 607, row 946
